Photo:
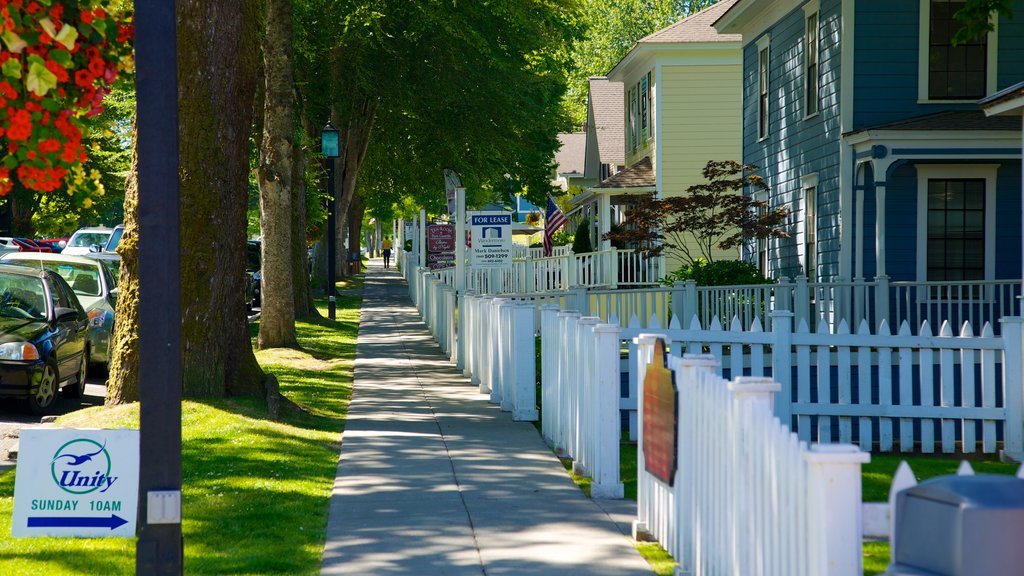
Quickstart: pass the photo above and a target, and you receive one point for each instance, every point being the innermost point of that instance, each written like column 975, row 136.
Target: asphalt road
column 14, row 414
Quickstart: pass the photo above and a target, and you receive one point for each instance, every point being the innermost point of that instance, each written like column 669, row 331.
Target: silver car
column 95, row 287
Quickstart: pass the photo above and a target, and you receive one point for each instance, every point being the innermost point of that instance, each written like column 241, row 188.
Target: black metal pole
column 331, row 240
column 159, row 547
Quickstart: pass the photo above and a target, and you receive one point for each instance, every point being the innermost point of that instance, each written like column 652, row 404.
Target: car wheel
column 77, row 390
column 42, row 401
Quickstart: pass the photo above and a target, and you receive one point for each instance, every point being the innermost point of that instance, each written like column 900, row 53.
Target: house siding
column 902, row 234
column 886, row 62
column 797, row 146
column 700, row 115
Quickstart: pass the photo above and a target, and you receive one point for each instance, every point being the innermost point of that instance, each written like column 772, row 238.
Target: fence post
column 582, row 298
column 690, row 303
column 783, row 295
column 506, row 330
column 566, row 355
column 582, row 389
column 606, row 482
column 802, row 303
column 1013, row 379
column 782, row 360
column 834, row 491
column 882, row 302
column 484, row 346
column 495, row 373
column 571, row 279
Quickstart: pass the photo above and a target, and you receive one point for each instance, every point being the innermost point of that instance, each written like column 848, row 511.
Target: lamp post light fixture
column 330, row 147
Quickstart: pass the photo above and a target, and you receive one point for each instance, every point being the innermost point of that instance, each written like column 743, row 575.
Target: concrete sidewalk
column 433, row 479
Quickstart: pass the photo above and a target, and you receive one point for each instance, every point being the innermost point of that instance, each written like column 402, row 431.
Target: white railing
column 884, row 391
column 746, row 496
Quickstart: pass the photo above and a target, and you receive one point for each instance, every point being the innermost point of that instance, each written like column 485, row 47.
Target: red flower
column 8, row 91
column 84, row 78
column 20, row 127
column 87, row 16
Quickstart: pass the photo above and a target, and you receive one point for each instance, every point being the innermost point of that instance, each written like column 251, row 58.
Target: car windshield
column 22, row 297
column 84, row 279
column 114, row 240
column 89, row 238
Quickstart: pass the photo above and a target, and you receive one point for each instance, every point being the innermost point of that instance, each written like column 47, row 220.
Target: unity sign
column 76, row 483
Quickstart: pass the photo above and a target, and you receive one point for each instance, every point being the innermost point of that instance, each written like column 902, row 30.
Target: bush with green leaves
column 581, row 242
column 718, row 273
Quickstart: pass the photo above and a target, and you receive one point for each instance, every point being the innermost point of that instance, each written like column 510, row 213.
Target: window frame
column 763, row 86
column 812, row 67
column 928, row 172
column 924, row 50
column 808, row 231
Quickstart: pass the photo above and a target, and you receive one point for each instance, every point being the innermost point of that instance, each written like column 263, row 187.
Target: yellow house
column 682, row 91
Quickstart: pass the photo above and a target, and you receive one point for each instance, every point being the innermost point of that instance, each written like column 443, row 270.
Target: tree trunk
column 355, row 223
column 303, row 300
column 218, row 59
column 277, row 316
column 123, row 378
column 23, row 204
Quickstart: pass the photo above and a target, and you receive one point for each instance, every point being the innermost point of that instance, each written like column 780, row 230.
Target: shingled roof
column 607, row 102
column 639, row 175
column 952, row 120
column 695, row 28
column 570, row 155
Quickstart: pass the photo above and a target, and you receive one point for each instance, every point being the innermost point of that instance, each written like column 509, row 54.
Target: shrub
column 718, row 273
column 581, row 242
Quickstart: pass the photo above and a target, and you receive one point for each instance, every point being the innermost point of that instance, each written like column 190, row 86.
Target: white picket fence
column 881, row 390
column 747, row 496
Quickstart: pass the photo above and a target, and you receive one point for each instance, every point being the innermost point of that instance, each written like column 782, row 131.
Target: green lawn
column 255, row 492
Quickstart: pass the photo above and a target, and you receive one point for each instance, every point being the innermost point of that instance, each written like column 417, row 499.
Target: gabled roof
column 952, row 120
column 607, row 104
column 695, row 28
column 570, row 155
column 1007, row 101
column 639, row 175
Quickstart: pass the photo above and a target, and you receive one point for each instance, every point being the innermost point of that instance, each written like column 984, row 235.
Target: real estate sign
column 76, row 483
column 492, row 239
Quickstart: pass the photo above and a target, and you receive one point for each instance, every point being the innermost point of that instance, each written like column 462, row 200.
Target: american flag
column 552, row 222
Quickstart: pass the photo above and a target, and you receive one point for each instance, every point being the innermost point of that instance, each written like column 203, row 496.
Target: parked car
column 82, row 241
column 56, row 244
column 112, row 242
column 93, row 284
column 43, row 330
column 29, row 245
column 253, row 274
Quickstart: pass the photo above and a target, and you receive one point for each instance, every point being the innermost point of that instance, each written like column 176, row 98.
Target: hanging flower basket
column 58, row 59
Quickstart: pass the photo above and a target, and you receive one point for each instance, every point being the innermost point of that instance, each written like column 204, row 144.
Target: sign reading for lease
column 492, row 239
column 76, row 483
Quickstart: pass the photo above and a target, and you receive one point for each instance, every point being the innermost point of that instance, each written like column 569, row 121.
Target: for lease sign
column 492, row 239
column 76, row 483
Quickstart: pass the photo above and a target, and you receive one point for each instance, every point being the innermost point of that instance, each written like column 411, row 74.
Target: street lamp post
column 330, row 147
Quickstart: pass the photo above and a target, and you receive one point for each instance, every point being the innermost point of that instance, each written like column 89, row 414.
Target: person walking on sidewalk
column 386, row 247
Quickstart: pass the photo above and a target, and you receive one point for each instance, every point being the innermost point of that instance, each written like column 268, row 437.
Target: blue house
column 865, row 120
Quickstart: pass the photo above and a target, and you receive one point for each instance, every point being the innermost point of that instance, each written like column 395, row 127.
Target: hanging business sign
column 661, row 415
column 492, row 239
column 76, row 483
column 440, row 246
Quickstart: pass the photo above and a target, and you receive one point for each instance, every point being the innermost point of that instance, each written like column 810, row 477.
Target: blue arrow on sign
column 112, row 522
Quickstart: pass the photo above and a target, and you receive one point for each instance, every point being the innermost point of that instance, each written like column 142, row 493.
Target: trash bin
column 354, row 263
column 959, row 525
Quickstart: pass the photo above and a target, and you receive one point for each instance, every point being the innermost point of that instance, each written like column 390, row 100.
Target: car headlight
column 18, row 351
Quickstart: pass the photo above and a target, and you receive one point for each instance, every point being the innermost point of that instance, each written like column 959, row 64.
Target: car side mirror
column 95, row 248
column 65, row 314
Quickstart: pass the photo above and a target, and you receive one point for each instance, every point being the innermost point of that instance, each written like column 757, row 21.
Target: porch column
column 604, row 220
column 880, row 172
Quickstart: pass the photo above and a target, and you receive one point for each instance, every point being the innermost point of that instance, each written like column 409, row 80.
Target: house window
column 650, row 103
column 762, row 87
column 642, row 86
column 761, row 244
column 812, row 81
column 810, row 244
column 956, row 229
column 958, row 72
column 631, row 118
